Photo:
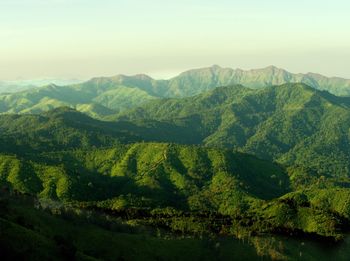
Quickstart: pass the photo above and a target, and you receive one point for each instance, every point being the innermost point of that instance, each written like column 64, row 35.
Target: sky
column 87, row 38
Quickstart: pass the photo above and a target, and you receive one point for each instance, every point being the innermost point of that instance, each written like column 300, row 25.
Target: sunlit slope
column 292, row 123
column 121, row 92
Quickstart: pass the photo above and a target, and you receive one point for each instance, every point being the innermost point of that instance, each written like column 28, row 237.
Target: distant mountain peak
column 142, row 76
column 216, row 67
column 271, row 69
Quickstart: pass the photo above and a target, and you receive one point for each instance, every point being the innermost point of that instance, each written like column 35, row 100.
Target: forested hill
column 196, row 81
column 103, row 96
column 293, row 124
column 65, row 128
column 184, row 188
column 135, row 167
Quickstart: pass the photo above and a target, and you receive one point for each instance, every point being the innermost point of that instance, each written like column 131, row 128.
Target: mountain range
column 292, row 123
column 66, row 156
column 21, row 85
column 212, row 151
column 103, row 96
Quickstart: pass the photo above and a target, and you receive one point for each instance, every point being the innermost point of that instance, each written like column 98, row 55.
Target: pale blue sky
column 85, row 38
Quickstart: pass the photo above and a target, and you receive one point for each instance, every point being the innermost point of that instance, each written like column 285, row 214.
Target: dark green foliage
column 165, row 174
column 73, row 234
column 292, row 124
column 66, row 128
column 296, row 180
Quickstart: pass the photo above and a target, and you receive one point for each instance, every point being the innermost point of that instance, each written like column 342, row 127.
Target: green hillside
column 165, row 173
column 151, row 179
column 199, row 80
column 66, row 156
column 62, row 128
column 120, row 93
column 292, row 123
column 65, row 128
column 110, row 96
column 232, row 161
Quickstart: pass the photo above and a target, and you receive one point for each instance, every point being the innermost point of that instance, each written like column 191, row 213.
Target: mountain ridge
column 271, row 123
column 121, row 92
column 271, row 160
column 256, row 196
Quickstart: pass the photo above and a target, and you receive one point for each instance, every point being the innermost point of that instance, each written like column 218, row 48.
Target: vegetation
column 292, row 124
column 72, row 234
column 232, row 161
column 104, row 96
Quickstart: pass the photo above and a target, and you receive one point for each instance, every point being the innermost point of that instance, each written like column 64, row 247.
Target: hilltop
column 120, row 93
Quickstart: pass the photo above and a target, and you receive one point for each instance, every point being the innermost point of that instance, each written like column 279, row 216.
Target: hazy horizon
column 83, row 39
column 160, row 75
column 166, row 75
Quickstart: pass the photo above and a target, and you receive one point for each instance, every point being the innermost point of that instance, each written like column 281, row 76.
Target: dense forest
column 231, row 162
